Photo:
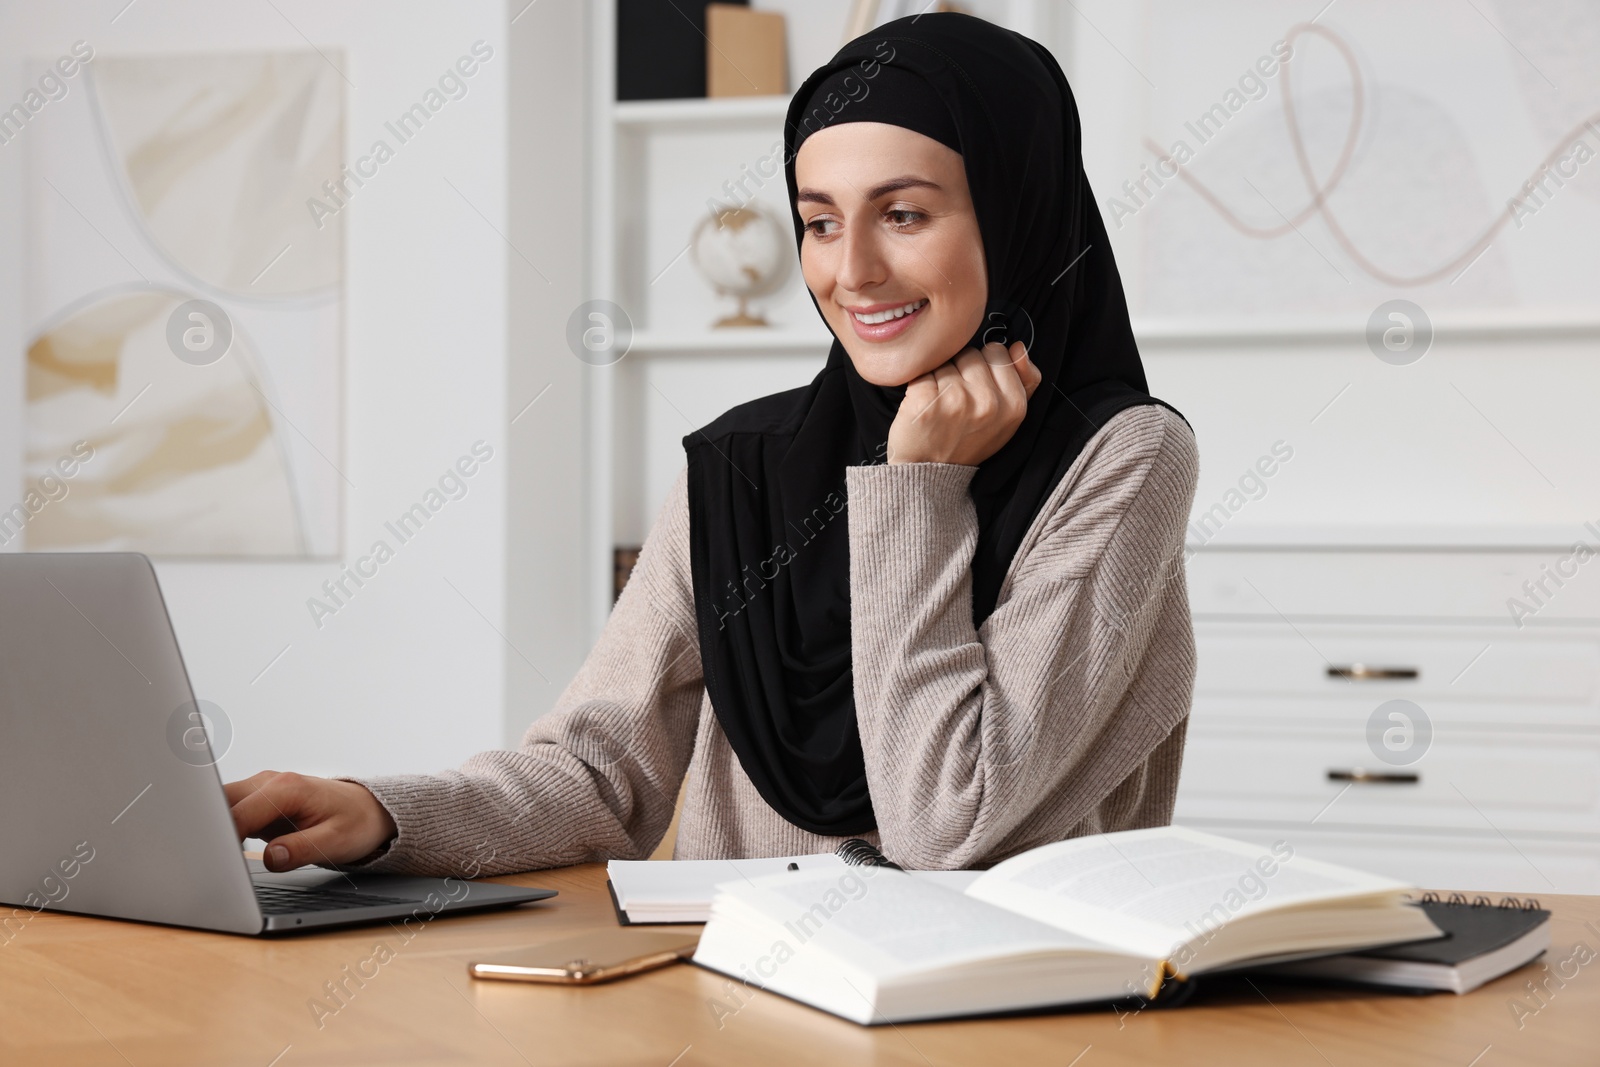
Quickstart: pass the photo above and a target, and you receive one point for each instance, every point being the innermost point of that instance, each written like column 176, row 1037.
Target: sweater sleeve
column 1062, row 695
column 597, row 777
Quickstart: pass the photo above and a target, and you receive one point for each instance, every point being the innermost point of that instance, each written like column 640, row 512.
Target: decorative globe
column 744, row 252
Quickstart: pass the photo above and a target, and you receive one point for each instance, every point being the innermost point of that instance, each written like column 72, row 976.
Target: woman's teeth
column 892, row 313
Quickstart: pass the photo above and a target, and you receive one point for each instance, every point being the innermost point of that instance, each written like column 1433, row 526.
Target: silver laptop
column 111, row 802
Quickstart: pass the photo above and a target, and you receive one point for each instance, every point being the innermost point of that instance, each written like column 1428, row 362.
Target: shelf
column 745, row 339
column 1454, row 537
column 1152, row 333
column 700, row 113
column 1450, row 325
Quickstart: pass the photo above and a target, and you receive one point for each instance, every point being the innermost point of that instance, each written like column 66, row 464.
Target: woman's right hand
column 308, row 820
column 964, row 411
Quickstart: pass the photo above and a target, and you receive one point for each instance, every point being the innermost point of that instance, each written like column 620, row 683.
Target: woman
column 934, row 599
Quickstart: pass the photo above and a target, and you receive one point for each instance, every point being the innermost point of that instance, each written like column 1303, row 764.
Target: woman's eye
column 819, row 227
column 902, row 218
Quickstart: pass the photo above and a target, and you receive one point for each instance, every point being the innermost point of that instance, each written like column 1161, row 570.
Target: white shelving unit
column 657, row 163
column 698, row 114
column 648, row 343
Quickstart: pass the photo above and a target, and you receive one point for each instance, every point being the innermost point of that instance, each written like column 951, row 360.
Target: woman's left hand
column 964, row 411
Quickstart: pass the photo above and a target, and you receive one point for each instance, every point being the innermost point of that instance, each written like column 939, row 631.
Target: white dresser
column 1297, row 651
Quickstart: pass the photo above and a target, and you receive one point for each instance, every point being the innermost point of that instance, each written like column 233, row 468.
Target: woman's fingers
column 317, row 844
column 921, row 392
column 1027, row 370
column 965, row 410
column 276, row 799
column 309, row 820
column 979, row 378
column 1005, row 375
column 1012, row 364
column 948, row 375
column 237, row 791
column 951, row 399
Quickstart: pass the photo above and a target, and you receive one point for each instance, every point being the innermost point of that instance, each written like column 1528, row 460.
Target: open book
column 1091, row 919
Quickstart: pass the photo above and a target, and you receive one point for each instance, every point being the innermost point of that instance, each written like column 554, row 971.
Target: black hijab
column 769, row 545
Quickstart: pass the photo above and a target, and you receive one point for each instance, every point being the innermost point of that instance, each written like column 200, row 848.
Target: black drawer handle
column 1359, row 774
column 1361, row 672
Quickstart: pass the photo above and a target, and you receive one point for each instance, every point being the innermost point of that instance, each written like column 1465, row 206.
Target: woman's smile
column 884, row 321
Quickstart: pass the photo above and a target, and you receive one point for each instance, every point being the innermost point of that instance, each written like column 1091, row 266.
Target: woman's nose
column 861, row 261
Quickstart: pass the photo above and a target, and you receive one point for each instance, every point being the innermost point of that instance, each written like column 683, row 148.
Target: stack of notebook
column 1480, row 943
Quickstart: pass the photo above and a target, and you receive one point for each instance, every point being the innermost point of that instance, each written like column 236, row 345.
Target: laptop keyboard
column 281, row 900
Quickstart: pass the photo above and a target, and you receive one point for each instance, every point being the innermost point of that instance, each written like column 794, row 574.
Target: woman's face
column 890, row 235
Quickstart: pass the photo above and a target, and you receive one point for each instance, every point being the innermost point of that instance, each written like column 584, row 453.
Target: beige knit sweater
column 1064, row 714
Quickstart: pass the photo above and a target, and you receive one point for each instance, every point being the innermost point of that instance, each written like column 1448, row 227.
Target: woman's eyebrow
column 893, row 185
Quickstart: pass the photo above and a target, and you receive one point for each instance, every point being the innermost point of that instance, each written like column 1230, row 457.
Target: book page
column 1151, row 890
column 889, row 922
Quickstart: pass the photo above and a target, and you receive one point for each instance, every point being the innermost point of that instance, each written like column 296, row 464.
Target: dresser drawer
column 1374, row 584
column 1479, row 780
column 1451, row 862
column 1350, row 713
column 1375, row 663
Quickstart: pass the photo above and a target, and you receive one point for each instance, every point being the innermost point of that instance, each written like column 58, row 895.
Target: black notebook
column 1482, row 942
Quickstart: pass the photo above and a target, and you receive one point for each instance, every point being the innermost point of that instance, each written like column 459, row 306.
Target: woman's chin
column 889, row 369
column 884, row 378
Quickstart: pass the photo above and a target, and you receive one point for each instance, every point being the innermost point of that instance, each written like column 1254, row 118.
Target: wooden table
column 93, row 991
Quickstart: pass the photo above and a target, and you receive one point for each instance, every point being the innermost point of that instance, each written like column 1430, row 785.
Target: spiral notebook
column 665, row 892
column 1482, row 942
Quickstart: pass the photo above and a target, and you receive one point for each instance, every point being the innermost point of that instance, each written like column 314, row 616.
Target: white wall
column 412, row 673
column 1484, row 441
column 548, row 554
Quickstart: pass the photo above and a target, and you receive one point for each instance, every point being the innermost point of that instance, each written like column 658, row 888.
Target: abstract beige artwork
column 159, row 182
